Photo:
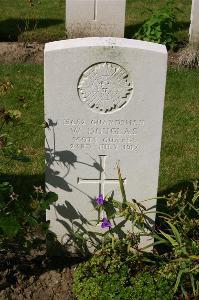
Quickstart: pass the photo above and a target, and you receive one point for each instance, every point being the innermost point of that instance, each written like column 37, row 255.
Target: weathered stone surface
column 104, row 101
column 194, row 26
column 98, row 18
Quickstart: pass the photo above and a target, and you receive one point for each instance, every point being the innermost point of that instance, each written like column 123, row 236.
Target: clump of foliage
column 113, row 215
column 148, row 285
column 134, row 274
column 159, row 27
column 8, row 148
column 113, row 274
column 181, row 234
column 117, row 214
column 20, row 217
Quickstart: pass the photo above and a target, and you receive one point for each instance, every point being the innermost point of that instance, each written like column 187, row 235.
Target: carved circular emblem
column 105, row 87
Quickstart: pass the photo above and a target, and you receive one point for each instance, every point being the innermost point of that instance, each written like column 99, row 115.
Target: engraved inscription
column 105, row 87
column 99, row 134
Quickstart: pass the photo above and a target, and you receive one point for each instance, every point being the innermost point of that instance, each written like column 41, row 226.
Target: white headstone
column 104, row 101
column 88, row 18
column 194, row 26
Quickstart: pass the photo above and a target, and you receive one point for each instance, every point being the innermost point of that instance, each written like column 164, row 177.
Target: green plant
column 8, row 148
column 119, row 258
column 148, row 285
column 181, row 233
column 134, row 274
column 179, row 264
column 159, row 28
column 20, row 217
column 114, row 215
column 114, row 274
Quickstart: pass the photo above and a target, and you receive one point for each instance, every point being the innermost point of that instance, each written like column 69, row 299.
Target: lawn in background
column 179, row 155
column 180, row 151
column 27, row 96
column 45, row 20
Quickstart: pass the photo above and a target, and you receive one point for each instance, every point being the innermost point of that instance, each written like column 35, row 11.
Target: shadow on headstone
column 76, row 225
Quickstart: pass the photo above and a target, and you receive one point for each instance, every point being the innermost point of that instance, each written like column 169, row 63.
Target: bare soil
column 36, row 276
column 32, row 53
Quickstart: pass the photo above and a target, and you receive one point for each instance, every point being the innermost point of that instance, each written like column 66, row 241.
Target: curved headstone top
column 104, row 100
column 105, row 41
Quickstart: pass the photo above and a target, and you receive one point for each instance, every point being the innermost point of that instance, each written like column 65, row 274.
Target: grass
column 27, row 81
column 45, row 19
column 180, row 132
column 179, row 155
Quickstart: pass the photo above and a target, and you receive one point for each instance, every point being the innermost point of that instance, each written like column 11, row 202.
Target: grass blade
column 121, row 183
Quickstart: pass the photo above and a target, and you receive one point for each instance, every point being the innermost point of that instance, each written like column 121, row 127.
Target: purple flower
column 106, row 223
column 100, row 200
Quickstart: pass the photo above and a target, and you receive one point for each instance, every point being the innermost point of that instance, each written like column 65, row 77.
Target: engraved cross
column 95, row 10
column 102, row 180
